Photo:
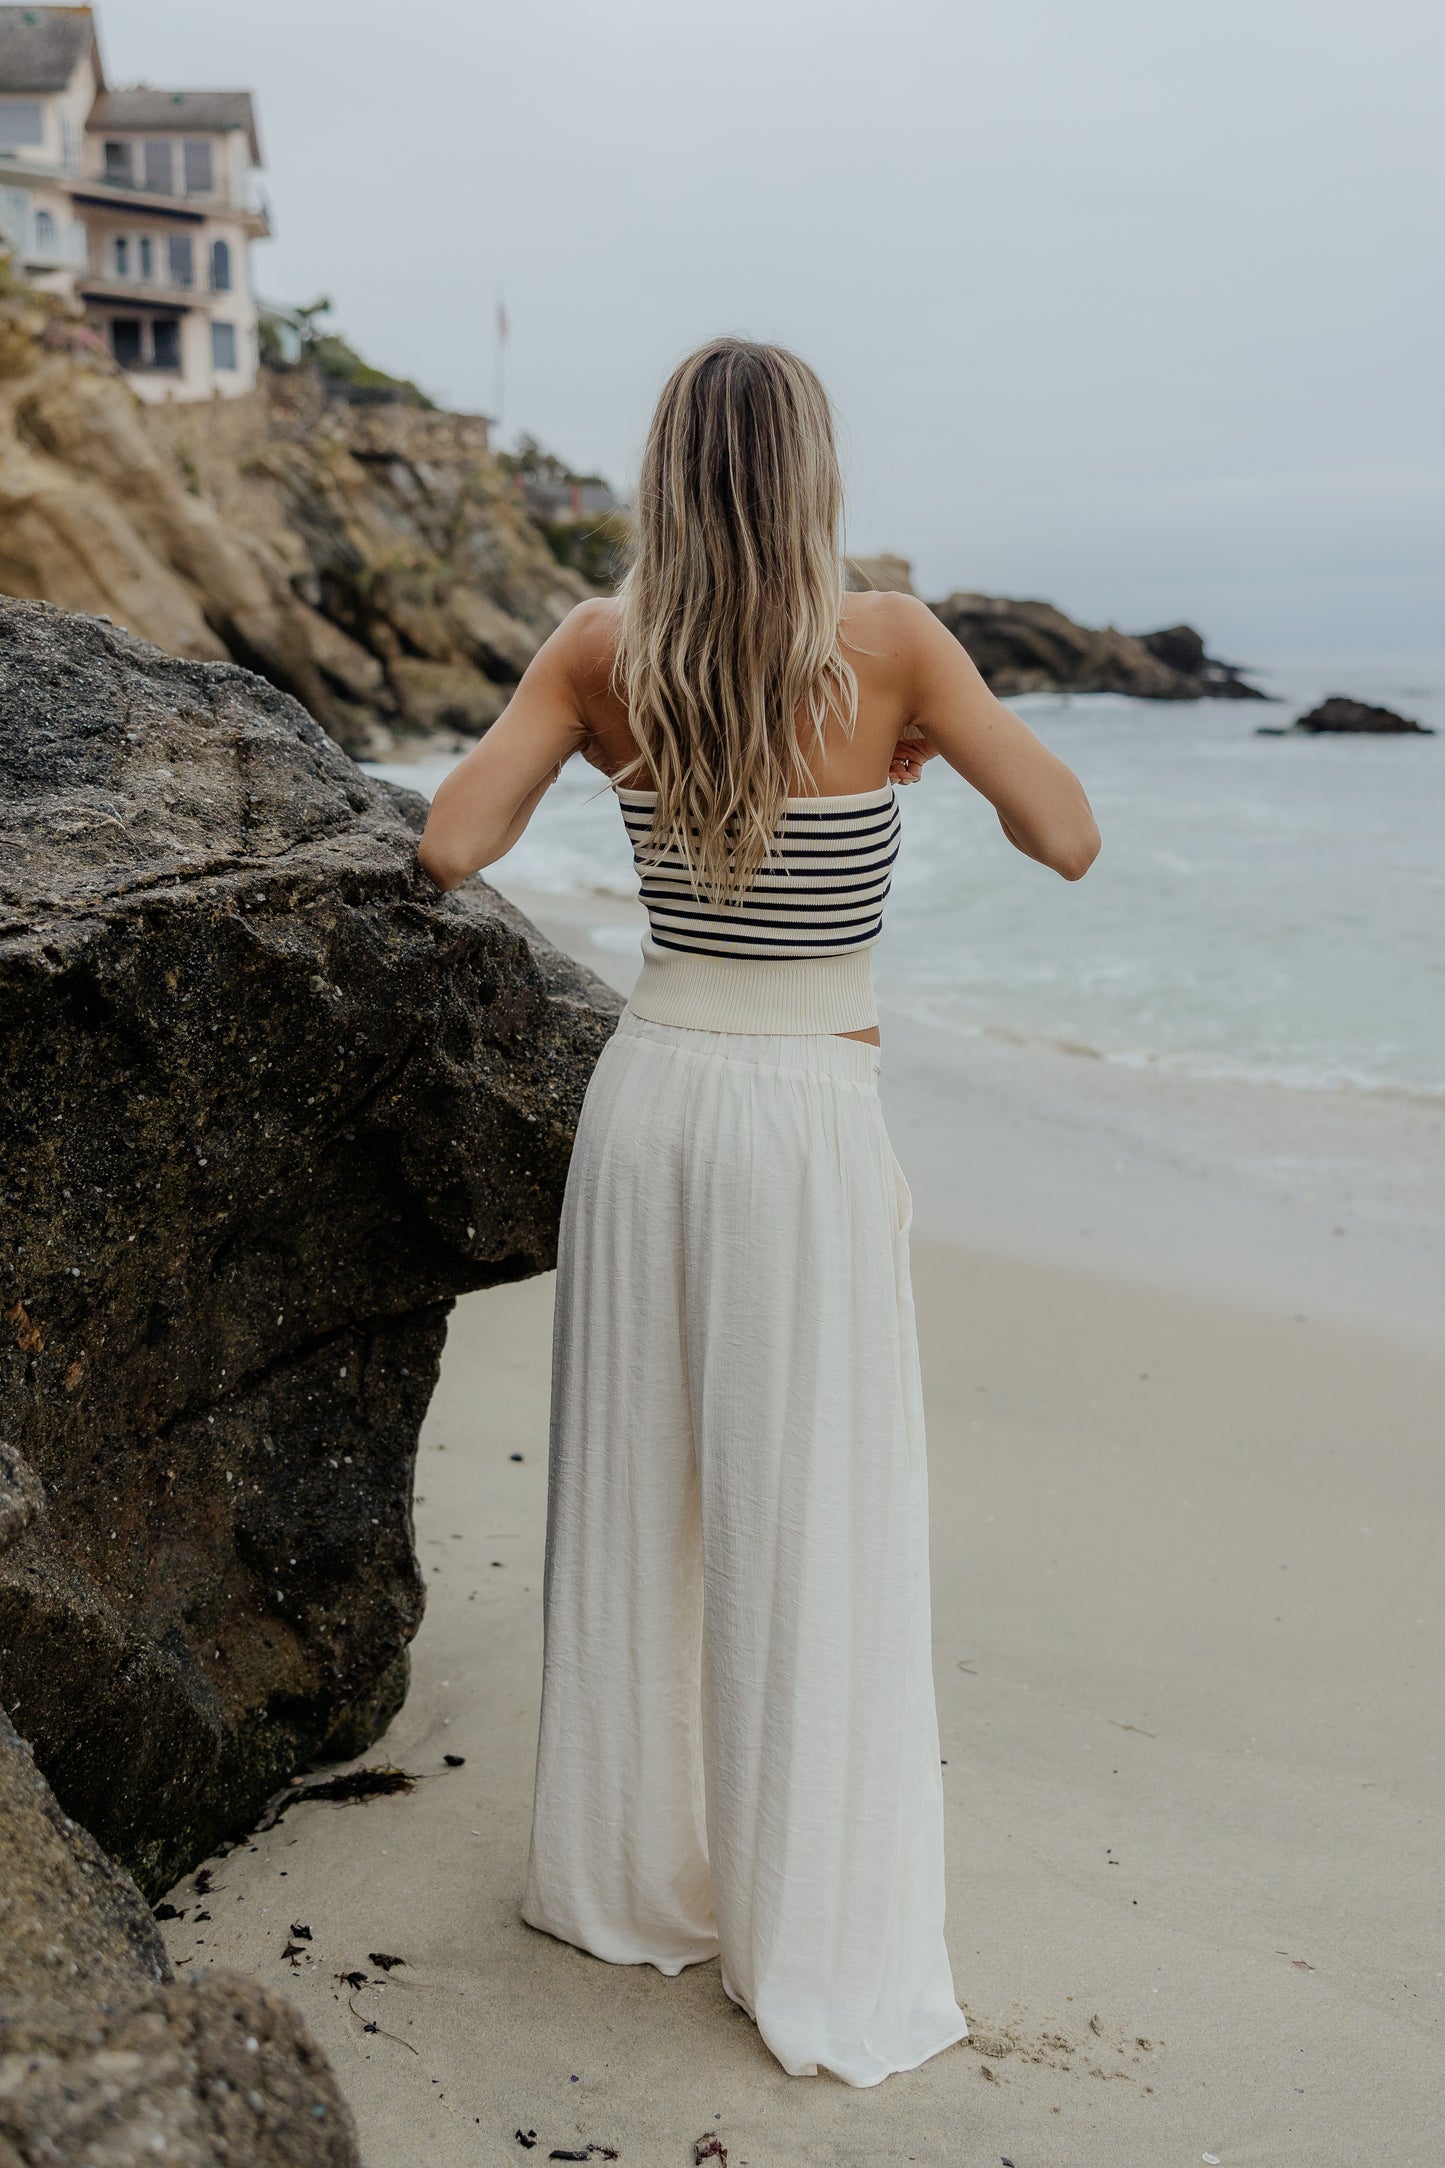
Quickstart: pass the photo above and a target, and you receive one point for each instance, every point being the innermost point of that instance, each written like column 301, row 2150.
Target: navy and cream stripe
column 821, row 894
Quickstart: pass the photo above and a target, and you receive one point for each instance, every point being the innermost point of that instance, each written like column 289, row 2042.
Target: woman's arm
column 1039, row 800
column 483, row 806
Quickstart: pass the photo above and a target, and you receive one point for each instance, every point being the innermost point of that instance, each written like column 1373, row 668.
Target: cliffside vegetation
column 583, row 524
column 296, row 339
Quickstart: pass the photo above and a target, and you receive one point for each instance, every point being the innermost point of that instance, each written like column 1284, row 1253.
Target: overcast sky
column 1131, row 305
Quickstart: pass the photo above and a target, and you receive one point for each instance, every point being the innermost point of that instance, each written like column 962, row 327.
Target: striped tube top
column 792, row 953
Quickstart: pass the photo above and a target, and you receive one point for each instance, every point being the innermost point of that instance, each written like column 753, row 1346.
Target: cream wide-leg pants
column 739, row 1739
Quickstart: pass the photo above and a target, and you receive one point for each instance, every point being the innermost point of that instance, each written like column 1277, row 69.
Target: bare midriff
column 869, row 1037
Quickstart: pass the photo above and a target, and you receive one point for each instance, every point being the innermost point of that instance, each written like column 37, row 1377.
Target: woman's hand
column 909, row 755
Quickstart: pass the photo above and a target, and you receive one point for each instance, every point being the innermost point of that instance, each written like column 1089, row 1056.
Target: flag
column 504, row 329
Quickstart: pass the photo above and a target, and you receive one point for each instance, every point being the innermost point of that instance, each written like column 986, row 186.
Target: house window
column 223, row 346
column 44, row 234
column 120, row 256
column 20, row 125
column 220, row 267
column 182, row 260
column 118, row 166
column 158, row 166
column 125, row 343
column 147, row 252
column 196, row 159
column 167, row 342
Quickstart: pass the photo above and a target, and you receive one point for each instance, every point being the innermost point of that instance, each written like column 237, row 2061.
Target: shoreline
column 1258, row 919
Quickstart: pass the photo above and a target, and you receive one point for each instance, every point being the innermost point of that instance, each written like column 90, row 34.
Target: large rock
column 104, row 2057
column 1030, row 647
column 268, row 1102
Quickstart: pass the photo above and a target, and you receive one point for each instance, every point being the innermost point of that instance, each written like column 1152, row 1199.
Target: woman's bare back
column 873, row 643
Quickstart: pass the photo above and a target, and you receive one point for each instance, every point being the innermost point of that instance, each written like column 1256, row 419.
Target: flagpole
column 499, row 379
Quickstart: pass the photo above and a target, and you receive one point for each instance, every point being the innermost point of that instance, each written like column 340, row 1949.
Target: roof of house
column 40, row 48
column 187, row 112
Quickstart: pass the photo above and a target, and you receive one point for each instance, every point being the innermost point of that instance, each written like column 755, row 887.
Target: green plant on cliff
column 344, row 368
column 32, row 319
column 530, row 462
column 295, row 338
column 595, row 548
column 593, row 542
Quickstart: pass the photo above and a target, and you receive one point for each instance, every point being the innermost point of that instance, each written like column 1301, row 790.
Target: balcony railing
column 157, row 289
column 37, row 159
column 119, row 184
column 39, row 238
column 162, row 280
column 250, row 209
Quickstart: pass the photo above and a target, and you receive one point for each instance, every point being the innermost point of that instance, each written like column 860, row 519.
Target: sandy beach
column 1188, row 1509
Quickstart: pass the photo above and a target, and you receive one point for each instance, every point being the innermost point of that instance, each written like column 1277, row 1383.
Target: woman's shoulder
column 874, row 611
column 587, row 636
column 884, row 635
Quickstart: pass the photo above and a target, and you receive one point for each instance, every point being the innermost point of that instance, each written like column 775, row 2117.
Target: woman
column 739, row 1742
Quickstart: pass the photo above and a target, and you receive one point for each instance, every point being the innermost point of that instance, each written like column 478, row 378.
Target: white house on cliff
column 139, row 203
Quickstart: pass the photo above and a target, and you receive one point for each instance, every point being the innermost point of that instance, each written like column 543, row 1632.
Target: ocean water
column 1262, row 907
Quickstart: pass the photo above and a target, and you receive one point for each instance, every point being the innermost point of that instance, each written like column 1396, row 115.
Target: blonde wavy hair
column 728, row 653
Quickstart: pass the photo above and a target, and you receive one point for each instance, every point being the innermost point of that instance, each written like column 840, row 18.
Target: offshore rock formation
column 1030, row 647
column 1340, row 713
column 267, row 1103
column 374, row 562
column 104, row 2056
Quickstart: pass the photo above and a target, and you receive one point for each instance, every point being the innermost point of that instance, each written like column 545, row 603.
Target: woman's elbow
column 1077, row 852
column 438, row 865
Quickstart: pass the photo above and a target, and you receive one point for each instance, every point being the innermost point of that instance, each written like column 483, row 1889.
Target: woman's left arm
column 483, row 806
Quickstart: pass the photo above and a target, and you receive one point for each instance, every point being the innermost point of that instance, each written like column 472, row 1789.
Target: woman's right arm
column 483, row 805
column 1039, row 800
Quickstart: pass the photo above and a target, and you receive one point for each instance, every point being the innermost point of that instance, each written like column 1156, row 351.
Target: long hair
column 728, row 653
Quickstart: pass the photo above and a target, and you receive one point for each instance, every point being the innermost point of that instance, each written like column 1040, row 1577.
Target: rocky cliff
column 267, row 1103
column 374, row 562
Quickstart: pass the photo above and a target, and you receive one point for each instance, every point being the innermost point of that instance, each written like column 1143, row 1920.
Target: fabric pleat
column 738, row 1753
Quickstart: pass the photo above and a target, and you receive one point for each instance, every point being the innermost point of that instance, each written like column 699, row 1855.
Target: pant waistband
column 815, row 1053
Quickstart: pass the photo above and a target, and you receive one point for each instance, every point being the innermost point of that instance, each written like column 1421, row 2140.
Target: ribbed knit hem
column 774, row 995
